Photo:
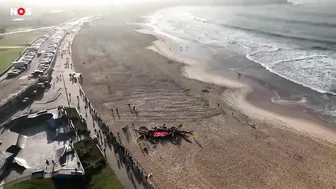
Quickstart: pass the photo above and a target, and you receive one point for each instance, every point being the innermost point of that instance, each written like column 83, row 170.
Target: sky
column 116, row 2
column 312, row 1
column 74, row 2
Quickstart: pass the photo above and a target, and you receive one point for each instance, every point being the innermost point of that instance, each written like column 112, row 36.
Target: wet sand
column 245, row 94
column 236, row 144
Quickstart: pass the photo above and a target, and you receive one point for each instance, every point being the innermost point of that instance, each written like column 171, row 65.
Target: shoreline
column 225, row 150
column 247, row 95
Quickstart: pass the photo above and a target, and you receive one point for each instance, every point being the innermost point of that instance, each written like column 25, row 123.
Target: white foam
column 309, row 68
column 278, row 100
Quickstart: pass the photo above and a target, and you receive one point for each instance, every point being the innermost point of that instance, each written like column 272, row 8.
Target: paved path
column 35, row 149
column 127, row 178
column 58, row 94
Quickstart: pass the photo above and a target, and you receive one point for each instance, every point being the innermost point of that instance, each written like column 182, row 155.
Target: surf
column 280, row 52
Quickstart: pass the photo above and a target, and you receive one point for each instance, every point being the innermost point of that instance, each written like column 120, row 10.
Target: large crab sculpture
column 163, row 133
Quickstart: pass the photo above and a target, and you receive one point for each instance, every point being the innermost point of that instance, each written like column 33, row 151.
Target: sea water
column 295, row 41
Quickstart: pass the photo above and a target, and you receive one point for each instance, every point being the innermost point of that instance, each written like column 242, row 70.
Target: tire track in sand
column 198, row 177
column 192, row 170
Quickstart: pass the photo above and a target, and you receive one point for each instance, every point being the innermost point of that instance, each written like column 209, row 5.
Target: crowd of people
column 103, row 133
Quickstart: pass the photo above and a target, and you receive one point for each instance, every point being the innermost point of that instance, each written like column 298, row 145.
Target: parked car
column 19, row 64
column 12, row 74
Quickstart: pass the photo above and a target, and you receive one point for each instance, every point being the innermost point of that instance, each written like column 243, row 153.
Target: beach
column 238, row 141
column 248, row 96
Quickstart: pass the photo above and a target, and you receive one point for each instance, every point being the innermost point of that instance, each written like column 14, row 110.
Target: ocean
column 297, row 42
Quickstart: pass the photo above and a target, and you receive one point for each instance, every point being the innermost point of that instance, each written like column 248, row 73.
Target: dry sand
column 228, row 152
column 237, row 92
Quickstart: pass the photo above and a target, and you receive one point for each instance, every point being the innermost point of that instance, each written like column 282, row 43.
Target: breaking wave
column 280, row 35
column 300, row 50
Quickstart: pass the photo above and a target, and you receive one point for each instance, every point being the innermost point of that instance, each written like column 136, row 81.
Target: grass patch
column 76, row 120
column 88, row 151
column 7, row 56
column 48, row 183
column 105, row 179
column 33, row 184
column 20, row 39
column 72, row 112
column 98, row 174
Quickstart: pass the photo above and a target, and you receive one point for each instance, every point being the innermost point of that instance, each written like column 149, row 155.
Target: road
column 57, row 95
column 12, row 86
column 36, row 149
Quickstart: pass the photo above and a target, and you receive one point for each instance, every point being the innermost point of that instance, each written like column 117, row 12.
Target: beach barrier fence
column 136, row 165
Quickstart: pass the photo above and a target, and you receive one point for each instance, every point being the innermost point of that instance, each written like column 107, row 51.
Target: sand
column 227, row 152
column 238, row 92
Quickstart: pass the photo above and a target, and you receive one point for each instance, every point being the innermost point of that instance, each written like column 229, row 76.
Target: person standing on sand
column 109, row 88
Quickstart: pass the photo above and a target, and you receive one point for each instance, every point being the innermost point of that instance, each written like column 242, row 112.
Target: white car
column 12, row 73
column 45, row 60
column 28, row 60
column 17, row 70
